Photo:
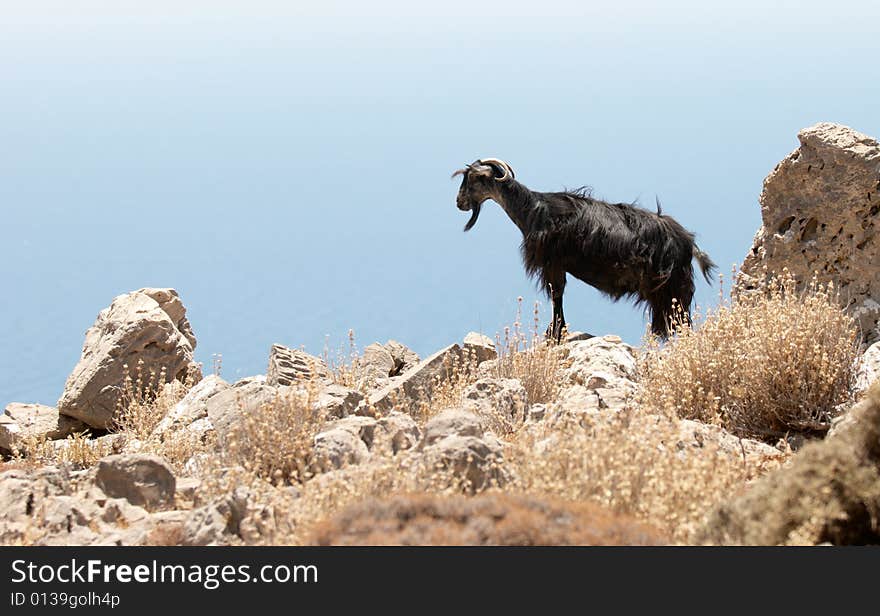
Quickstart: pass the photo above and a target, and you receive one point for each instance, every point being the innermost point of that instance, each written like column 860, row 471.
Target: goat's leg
column 556, row 287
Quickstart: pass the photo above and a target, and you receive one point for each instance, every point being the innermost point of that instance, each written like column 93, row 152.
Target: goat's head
column 480, row 181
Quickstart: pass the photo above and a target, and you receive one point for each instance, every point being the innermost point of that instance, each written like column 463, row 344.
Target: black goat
column 620, row 249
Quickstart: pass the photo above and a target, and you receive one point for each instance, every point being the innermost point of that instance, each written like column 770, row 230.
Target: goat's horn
column 508, row 171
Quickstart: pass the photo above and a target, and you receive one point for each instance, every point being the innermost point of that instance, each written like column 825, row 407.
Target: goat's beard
column 475, row 213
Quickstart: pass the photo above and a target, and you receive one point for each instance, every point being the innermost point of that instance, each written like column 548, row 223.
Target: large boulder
column 820, row 209
column 22, row 422
column 146, row 330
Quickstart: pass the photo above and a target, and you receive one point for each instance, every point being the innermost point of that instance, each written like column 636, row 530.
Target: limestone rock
column 396, row 432
column 375, row 363
column 23, row 421
column 694, row 434
column 141, row 479
column 601, row 374
column 418, row 380
column 869, row 367
column 226, row 407
column 286, row 366
column 481, row 347
column 456, row 442
column 497, row 400
column 452, row 422
column 192, row 408
column 148, row 326
column 476, row 461
column 338, row 447
column 820, row 209
column 403, row 356
column 217, row 522
column 339, row 401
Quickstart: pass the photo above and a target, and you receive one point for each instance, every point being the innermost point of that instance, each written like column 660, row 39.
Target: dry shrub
column 146, row 399
column 487, row 519
column 275, row 442
column 78, row 450
column 829, row 493
column 768, row 362
column 529, row 358
column 632, row 464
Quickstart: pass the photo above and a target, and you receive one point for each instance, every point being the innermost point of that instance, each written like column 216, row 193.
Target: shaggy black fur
column 620, row 249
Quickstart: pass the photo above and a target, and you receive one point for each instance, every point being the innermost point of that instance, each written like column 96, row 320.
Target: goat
column 620, row 249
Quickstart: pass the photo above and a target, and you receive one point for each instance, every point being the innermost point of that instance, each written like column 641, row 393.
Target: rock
column 601, row 374
column 418, row 380
column 375, row 364
column 362, row 427
column 338, row 447
column 396, row 432
column 141, row 479
column 475, row 461
column 694, row 434
column 820, row 209
column 53, row 507
column 339, row 401
column 452, row 422
column 869, row 368
column 387, row 435
column 404, row 357
column 286, row 366
column 21, row 422
column 829, row 492
column 226, row 407
column 600, row 362
column 498, row 401
column 191, row 408
column 480, row 347
column 185, row 488
column 218, row 522
column 146, row 326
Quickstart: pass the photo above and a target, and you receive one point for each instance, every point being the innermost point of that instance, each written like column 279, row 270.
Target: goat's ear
column 457, row 173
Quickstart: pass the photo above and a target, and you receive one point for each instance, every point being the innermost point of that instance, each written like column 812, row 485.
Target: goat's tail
column 707, row 266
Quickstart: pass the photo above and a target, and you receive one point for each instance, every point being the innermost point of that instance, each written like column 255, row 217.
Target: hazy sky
column 286, row 166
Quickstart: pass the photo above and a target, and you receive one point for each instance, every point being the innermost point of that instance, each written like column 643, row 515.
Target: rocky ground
column 483, row 442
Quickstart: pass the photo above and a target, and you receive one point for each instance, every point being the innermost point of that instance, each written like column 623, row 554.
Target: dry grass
column 529, row 358
column 631, row 463
column 487, row 519
column 764, row 364
column 275, row 442
column 145, row 400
